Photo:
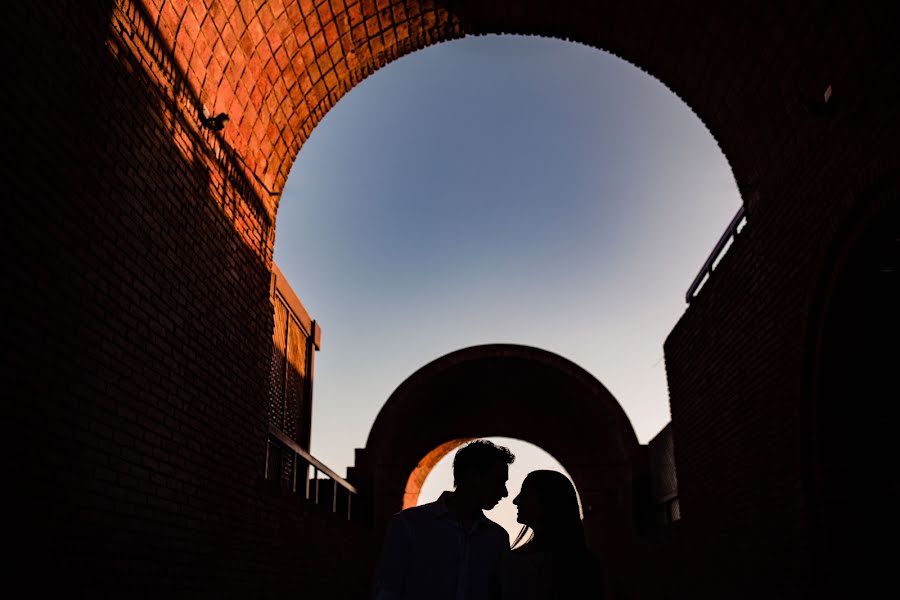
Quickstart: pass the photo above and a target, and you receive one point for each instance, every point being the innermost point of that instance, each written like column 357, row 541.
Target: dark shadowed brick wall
column 138, row 335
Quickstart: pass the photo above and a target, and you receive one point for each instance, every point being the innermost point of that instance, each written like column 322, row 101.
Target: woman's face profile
column 531, row 512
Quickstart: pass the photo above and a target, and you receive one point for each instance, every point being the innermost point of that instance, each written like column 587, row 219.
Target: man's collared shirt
column 429, row 556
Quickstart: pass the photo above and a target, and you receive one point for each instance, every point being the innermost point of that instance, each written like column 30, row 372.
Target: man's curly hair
column 478, row 457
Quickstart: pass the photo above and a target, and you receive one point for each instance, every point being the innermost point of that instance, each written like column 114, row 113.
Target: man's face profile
column 492, row 484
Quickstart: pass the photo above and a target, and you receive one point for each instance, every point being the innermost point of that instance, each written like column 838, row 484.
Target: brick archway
column 276, row 69
column 512, row 391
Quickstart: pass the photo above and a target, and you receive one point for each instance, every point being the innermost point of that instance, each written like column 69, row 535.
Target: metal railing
column 731, row 233
column 312, row 484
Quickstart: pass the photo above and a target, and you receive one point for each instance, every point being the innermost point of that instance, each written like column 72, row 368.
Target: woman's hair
column 561, row 535
column 562, row 530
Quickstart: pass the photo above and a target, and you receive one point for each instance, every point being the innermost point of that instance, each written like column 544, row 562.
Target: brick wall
column 738, row 359
column 137, row 338
column 138, row 334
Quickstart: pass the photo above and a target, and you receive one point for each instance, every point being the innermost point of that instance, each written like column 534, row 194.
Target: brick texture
column 138, row 321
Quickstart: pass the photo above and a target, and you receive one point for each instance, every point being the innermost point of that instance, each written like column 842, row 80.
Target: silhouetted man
column 448, row 549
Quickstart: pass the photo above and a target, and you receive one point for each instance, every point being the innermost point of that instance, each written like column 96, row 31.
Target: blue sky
column 498, row 189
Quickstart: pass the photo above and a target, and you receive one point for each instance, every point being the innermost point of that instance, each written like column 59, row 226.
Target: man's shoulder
column 496, row 529
column 417, row 513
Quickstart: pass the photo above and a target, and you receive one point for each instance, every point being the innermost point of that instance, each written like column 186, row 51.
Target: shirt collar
column 440, row 509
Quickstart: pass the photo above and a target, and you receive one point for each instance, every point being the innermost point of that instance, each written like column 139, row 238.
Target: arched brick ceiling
column 277, row 67
column 497, row 390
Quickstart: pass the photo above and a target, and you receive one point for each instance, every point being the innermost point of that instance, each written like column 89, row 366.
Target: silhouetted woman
column 554, row 562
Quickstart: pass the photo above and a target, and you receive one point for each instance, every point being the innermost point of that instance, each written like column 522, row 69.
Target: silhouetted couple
column 448, row 549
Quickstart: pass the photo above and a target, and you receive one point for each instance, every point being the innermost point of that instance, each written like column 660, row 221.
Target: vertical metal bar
column 307, row 482
column 334, row 497
column 287, row 367
column 317, row 484
column 296, row 459
column 349, row 498
column 304, row 434
column 268, row 445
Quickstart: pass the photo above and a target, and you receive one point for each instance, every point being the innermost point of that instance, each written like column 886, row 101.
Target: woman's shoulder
column 525, row 575
column 525, row 564
column 524, row 555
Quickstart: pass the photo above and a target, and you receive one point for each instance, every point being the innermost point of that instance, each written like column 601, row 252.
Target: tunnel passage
column 508, row 391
